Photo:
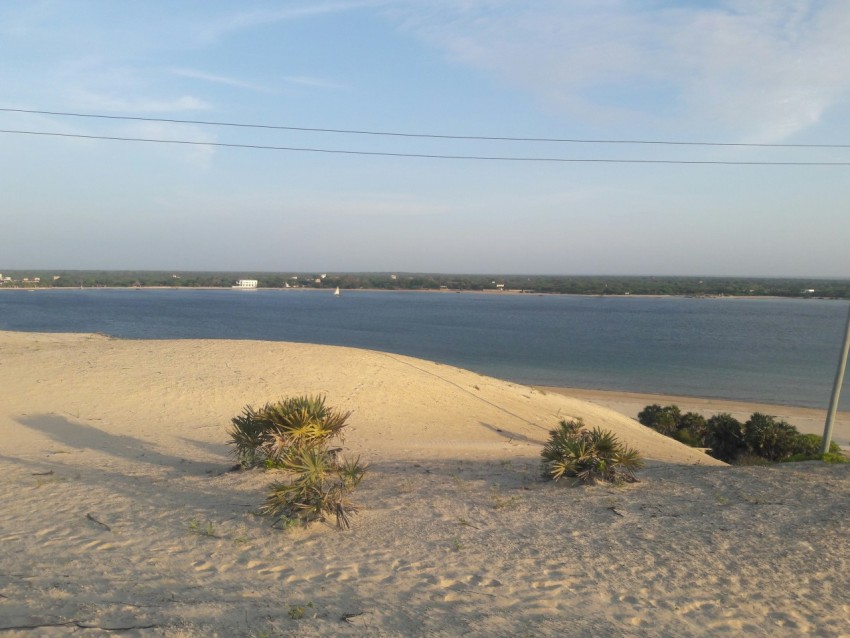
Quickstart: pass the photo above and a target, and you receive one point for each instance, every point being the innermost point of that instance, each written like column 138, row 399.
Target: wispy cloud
column 298, row 80
column 99, row 84
column 238, row 21
column 758, row 70
column 110, row 103
column 220, row 79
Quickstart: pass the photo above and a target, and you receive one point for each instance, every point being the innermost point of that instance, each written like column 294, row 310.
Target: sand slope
column 170, row 392
column 116, row 515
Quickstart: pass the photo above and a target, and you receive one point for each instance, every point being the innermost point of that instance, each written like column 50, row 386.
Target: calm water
column 776, row 351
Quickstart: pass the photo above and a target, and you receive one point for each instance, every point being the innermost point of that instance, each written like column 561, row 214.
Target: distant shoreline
column 498, row 283
column 495, row 293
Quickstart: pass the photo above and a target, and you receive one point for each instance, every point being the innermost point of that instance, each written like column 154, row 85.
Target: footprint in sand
column 203, row 566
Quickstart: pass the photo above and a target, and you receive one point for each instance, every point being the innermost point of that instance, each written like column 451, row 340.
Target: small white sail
column 336, row 292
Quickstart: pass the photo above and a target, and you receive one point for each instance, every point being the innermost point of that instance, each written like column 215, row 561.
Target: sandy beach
column 118, row 515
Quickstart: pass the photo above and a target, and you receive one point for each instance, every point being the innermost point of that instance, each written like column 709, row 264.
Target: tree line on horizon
column 550, row 284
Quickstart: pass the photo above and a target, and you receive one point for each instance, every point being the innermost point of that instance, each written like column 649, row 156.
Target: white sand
column 116, row 515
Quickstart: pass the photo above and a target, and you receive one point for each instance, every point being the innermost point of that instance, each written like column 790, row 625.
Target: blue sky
column 754, row 72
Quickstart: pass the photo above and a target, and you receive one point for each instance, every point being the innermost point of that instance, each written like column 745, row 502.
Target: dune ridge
column 117, row 513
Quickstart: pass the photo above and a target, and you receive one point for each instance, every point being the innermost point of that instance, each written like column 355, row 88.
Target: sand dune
column 117, row 514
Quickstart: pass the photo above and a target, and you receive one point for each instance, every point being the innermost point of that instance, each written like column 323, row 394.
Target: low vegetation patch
column 267, row 434
column 293, row 437
column 319, row 484
column 590, row 456
column 762, row 438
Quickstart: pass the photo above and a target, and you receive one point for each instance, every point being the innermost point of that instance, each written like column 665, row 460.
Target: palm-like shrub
column 761, row 439
column 293, row 435
column 319, row 486
column 693, row 428
column 769, row 438
column 689, row 428
column 266, row 434
column 664, row 420
column 725, row 437
column 588, row 455
column 249, row 433
column 302, row 421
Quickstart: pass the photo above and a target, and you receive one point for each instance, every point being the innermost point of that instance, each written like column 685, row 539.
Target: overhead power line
column 419, row 135
column 423, row 155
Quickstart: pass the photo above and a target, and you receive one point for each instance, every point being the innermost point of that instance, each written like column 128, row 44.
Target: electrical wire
column 423, row 155
column 420, row 135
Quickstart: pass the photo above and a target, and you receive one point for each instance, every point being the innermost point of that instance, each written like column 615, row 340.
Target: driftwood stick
column 94, row 520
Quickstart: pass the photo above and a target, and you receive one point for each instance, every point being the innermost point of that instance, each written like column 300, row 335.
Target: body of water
column 768, row 350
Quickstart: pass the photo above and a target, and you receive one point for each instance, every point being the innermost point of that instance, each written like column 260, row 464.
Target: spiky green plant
column 304, row 419
column 319, row 486
column 249, row 433
column 293, row 435
column 268, row 433
column 588, row 455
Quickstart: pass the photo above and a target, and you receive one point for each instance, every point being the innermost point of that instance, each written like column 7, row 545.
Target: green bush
column 769, row 438
column 762, row 437
column 264, row 435
column 588, row 455
column 688, row 428
column 664, row 420
column 807, row 447
column 725, row 437
column 319, row 485
column 695, row 428
column 293, row 436
column 687, row 437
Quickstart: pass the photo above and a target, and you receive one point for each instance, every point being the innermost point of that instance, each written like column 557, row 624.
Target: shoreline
column 806, row 420
column 511, row 292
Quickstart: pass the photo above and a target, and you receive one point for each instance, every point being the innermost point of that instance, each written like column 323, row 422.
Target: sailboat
column 336, row 292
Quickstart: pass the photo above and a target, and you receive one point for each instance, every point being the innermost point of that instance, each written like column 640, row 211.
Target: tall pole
column 836, row 389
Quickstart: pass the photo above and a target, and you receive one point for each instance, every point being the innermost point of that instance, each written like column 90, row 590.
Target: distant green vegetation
column 762, row 438
column 557, row 284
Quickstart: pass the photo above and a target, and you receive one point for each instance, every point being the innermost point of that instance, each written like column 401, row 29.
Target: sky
column 743, row 72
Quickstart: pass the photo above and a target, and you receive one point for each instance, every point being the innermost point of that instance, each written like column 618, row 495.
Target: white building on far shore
column 246, row 283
